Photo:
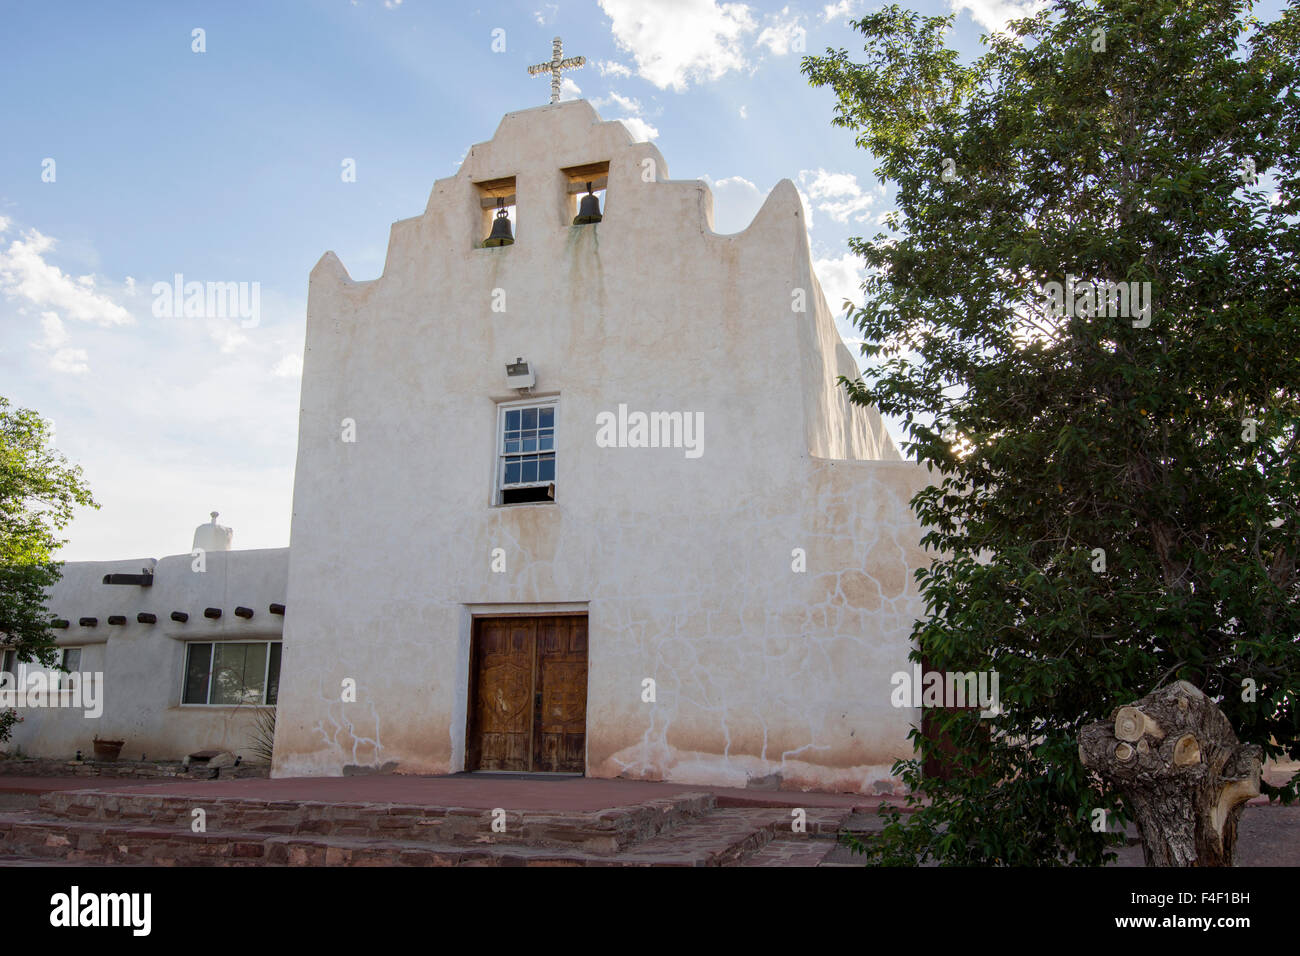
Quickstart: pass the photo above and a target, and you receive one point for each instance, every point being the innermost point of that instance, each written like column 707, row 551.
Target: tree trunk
column 1182, row 772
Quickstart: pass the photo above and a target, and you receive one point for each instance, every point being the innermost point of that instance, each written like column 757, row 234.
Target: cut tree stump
column 1186, row 778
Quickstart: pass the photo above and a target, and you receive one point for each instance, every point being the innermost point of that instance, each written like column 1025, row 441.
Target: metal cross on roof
column 555, row 66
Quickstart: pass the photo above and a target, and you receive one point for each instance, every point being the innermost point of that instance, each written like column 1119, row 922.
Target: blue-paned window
column 526, row 454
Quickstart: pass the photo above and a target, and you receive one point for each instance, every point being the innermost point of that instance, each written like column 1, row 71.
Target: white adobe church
column 590, row 501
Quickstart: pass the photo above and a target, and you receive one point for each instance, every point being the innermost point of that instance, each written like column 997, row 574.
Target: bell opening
column 498, row 203
column 586, row 187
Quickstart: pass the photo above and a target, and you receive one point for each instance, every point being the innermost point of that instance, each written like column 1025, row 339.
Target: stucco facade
column 687, row 567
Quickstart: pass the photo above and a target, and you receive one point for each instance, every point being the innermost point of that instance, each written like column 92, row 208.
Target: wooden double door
column 528, row 694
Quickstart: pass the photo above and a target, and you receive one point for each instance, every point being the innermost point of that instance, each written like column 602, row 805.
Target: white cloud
column 993, row 15
column 547, row 13
column 130, row 285
column 839, row 195
column 54, row 338
column 24, row 274
column 841, row 278
column 288, row 367
column 855, row 209
column 227, row 334
column 839, row 11
column 70, row 362
column 744, row 112
column 641, row 131
column 740, row 181
column 569, row 90
column 782, row 36
column 626, row 103
column 4, row 225
column 53, row 334
column 675, row 42
column 612, row 68
column 735, row 202
column 824, row 183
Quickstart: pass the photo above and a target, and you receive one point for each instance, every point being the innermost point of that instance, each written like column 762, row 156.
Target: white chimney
column 212, row 536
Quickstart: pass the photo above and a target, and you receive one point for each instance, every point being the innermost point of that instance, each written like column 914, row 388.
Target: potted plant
column 108, row 749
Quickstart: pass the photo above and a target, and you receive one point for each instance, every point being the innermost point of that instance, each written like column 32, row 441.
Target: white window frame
column 212, row 655
column 499, row 472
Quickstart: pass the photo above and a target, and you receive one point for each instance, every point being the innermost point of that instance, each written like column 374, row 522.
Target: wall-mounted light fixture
column 519, row 374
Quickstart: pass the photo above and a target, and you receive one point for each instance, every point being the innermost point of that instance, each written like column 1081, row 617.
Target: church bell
column 500, row 229
column 589, row 211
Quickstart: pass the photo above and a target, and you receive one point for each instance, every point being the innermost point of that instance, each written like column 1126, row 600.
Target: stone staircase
column 88, row 827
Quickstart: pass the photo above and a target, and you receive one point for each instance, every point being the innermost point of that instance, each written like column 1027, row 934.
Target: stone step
column 812, row 852
column 592, row 831
column 19, row 801
column 729, row 837
column 12, row 861
column 716, row 838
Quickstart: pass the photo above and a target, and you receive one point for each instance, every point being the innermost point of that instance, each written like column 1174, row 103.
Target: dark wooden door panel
column 502, row 707
column 528, row 694
column 562, row 679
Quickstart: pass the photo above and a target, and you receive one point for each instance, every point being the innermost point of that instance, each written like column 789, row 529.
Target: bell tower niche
column 586, row 187
column 498, row 203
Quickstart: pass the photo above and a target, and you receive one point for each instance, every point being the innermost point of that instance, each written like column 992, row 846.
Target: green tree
column 1134, row 141
column 38, row 492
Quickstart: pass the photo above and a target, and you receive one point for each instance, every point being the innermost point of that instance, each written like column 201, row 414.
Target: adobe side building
column 588, row 502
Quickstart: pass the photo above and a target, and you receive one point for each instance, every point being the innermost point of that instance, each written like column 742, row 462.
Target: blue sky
column 224, row 166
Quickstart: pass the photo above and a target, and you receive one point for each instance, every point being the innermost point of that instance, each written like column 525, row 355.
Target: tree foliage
column 1109, row 141
column 38, row 491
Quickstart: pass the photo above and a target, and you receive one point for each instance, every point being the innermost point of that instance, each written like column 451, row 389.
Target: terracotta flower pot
column 108, row 749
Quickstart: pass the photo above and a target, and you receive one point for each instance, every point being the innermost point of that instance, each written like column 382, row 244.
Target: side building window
column 71, row 661
column 232, row 672
column 69, row 658
column 525, row 452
